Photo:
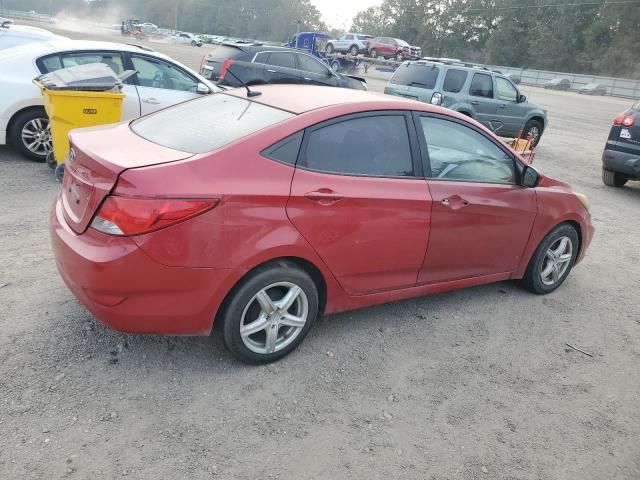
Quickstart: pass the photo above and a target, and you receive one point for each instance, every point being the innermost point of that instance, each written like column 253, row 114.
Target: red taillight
column 225, row 67
column 624, row 120
column 134, row 216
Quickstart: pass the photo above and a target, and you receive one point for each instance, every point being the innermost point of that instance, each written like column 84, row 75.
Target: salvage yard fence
column 618, row 87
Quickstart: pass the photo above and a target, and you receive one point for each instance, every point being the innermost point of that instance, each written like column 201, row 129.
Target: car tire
column 31, row 123
column 354, row 50
column 552, row 261
column 535, row 128
column 193, row 43
column 613, row 179
column 373, row 53
column 329, row 49
column 247, row 305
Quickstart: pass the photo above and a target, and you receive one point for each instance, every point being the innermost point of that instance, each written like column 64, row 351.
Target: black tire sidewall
column 353, row 47
column 15, row 133
column 373, row 53
column 532, row 279
column 242, row 294
column 529, row 125
column 330, row 48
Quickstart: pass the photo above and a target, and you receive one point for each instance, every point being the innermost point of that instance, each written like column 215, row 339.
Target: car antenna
column 250, row 93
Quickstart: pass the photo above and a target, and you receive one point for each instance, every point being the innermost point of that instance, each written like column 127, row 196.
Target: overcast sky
column 339, row 13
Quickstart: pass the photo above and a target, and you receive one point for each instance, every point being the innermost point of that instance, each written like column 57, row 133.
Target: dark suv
column 621, row 157
column 260, row 64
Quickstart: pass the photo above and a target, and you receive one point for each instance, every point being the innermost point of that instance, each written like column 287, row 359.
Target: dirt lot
column 466, row 385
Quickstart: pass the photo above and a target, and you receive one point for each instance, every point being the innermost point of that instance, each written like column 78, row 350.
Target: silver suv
column 476, row 91
column 352, row 43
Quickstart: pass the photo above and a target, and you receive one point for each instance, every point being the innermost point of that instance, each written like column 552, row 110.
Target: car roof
column 304, row 98
column 55, row 45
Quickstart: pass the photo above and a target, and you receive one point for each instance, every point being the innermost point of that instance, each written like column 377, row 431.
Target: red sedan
column 260, row 213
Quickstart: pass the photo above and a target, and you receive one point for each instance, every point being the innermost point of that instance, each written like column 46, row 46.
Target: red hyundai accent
column 259, row 214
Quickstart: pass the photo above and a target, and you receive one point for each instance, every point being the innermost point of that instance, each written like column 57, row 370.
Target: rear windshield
column 225, row 52
column 415, row 75
column 208, row 123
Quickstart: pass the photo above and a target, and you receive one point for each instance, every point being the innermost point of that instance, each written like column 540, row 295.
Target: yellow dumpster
column 80, row 96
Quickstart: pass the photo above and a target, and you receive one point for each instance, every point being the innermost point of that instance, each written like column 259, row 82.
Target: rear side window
column 415, row 75
column 282, row 59
column 367, row 146
column 285, row 151
column 207, row 123
column 506, row 91
column 454, row 80
column 481, row 86
column 50, row 64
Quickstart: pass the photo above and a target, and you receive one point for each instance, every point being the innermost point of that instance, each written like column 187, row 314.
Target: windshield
column 415, row 75
column 207, row 123
column 402, row 43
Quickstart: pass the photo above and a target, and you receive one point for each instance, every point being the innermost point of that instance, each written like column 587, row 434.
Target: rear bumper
column 128, row 291
column 621, row 162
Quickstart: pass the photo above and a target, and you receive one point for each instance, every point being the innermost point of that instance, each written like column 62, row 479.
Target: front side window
column 282, row 59
column 262, row 57
column 310, row 64
column 367, row 146
column 506, row 91
column 160, row 74
column 454, row 80
column 457, row 152
column 481, row 86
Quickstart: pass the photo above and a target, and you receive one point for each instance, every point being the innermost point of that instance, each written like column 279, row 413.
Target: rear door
column 281, row 67
column 314, row 72
column 509, row 110
column 482, row 100
column 359, row 199
column 481, row 217
column 161, row 84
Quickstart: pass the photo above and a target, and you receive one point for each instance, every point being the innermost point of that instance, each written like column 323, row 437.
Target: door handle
column 152, row 101
column 455, row 202
column 324, row 196
column 271, row 71
column 475, row 103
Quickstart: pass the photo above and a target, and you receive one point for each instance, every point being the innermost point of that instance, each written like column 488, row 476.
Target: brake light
column 125, row 216
column 225, row 67
column 624, row 120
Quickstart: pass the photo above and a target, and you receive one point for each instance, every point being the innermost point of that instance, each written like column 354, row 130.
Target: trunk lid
column 96, row 158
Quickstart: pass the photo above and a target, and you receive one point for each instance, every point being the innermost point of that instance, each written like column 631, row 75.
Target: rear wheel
column 329, row 48
column 353, row 50
column 269, row 313
column 613, row 179
column 552, row 260
column 373, row 53
column 31, row 135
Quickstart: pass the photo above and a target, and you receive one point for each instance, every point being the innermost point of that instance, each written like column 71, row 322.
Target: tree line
column 599, row 37
column 576, row 36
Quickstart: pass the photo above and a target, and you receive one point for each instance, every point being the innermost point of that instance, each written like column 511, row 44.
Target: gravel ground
column 466, row 385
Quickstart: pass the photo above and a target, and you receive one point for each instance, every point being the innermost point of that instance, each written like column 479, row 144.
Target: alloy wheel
column 36, row 136
column 274, row 317
column 556, row 261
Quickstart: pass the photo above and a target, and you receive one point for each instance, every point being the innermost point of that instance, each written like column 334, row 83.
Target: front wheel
column 552, row 261
column 31, row 135
column 613, row 179
column 532, row 130
column 268, row 315
column 353, row 50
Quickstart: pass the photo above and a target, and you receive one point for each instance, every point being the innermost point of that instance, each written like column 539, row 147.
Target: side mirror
column 530, row 177
column 522, row 98
column 203, row 89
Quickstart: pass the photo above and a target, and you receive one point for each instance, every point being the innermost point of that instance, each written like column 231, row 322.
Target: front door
column 481, row 217
column 509, row 111
column 281, row 68
column 314, row 72
column 357, row 200
column 161, row 84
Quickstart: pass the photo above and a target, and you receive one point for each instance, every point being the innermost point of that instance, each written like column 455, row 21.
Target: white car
column 159, row 82
column 187, row 38
column 16, row 35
